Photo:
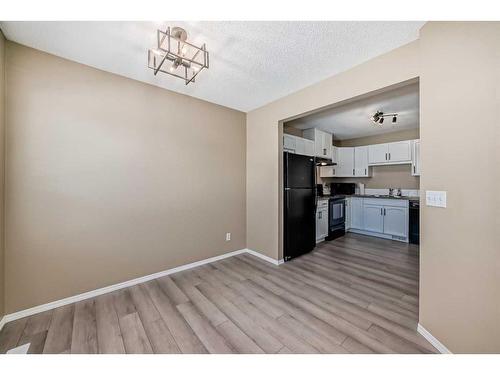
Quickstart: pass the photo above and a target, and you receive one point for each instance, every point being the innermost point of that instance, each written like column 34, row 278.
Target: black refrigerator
column 299, row 220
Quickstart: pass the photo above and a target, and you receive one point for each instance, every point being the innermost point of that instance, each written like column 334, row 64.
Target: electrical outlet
column 435, row 198
column 228, row 236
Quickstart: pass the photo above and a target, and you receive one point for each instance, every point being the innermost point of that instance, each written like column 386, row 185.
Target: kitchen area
column 353, row 169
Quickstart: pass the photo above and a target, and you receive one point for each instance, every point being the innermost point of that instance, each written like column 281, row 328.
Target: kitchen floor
column 356, row 294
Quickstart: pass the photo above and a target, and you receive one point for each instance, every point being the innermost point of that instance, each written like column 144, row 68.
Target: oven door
column 336, row 213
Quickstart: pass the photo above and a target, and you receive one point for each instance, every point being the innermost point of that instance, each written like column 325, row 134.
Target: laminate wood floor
column 355, row 294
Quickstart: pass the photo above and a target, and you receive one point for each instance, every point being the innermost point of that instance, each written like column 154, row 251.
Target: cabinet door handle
column 386, row 156
column 353, row 172
column 384, row 211
column 381, row 211
column 320, row 214
column 324, row 151
column 365, row 171
column 389, row 156
column 413, row 169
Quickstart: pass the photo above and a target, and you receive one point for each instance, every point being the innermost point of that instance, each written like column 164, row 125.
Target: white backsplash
column 404, row 192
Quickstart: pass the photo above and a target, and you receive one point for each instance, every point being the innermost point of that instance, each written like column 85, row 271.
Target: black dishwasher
column 414, row 222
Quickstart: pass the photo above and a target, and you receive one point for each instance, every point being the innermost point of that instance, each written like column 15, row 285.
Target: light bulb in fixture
column 175, row 64
column 377, row 116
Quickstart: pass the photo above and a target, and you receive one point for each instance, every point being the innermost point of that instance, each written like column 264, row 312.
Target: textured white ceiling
column 251, row 63
column 353, row 120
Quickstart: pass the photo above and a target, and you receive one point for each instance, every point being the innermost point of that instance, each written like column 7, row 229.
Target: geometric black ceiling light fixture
column 177, row 57
column 378, row 117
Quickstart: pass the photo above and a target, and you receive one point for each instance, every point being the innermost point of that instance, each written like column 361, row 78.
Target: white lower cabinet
column 322, row 220
column 395, row 221
column 356, row 213
column 387, row 218
column 373, row 218
column 347, row 213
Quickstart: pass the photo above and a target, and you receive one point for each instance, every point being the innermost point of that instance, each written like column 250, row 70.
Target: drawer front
column 387, row 202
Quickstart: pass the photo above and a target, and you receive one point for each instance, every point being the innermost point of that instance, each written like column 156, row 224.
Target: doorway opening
column 351, row 188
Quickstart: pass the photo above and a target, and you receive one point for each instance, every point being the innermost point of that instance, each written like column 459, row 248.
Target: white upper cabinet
column 377, row 154
column 390, row 153
column 400, row 152
column 298, row 145
column 351, row 162
column 327, row 171
column 323, row 142
column 335, row 154
column 361, row 161
column 289, row 143
column 415, row 158
column 308, row 147
column 327, row 145
column 345, row 162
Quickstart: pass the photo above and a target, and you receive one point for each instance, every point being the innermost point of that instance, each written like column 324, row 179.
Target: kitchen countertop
column 376, row 197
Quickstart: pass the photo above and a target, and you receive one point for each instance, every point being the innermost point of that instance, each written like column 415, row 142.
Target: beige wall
column 108, row 179
column 460, row 143
column 401, row 135
column 460, row 153
column 2, row 133
column 291, row 130
column 383, row 176
column 264, row 159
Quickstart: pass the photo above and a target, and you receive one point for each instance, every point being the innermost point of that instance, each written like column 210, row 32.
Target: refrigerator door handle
column 285, row 170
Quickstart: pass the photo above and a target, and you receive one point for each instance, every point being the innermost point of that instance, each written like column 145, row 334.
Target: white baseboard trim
column 111, row 288
column 434, row 341
column 265, row 257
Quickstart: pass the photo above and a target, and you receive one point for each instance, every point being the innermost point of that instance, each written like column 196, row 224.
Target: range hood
column 320, row 162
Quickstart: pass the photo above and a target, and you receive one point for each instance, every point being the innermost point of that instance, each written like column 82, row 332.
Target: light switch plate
column 435, row 198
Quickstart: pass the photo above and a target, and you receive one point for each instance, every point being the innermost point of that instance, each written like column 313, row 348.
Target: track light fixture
column 378, row 117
